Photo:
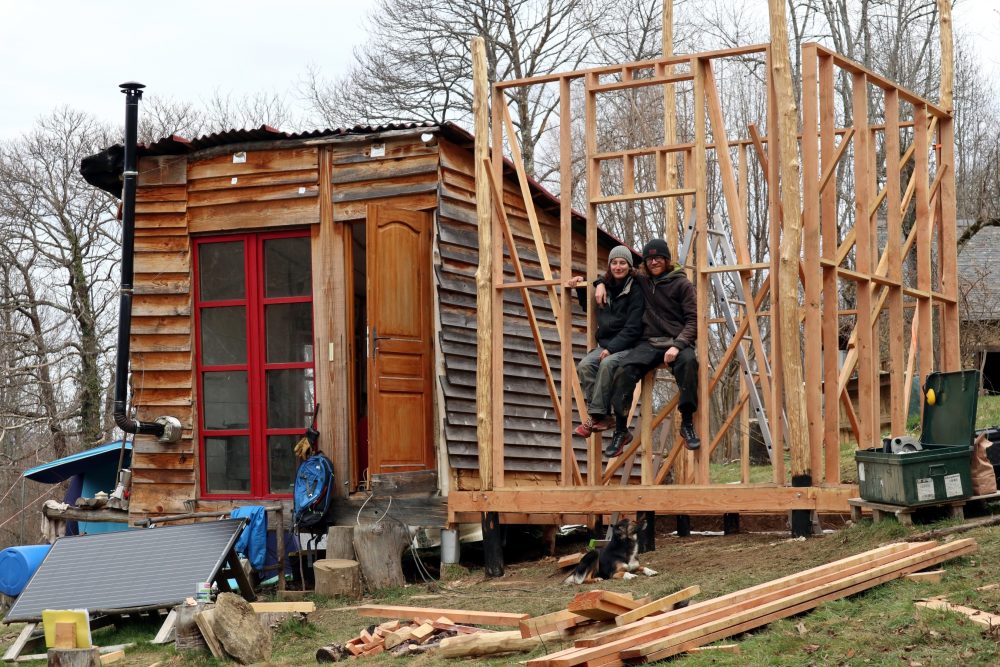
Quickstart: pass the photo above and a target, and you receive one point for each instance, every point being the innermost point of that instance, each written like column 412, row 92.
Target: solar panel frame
column 146, row 569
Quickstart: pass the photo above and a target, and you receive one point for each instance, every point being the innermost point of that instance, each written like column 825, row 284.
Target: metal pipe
column 133, row 93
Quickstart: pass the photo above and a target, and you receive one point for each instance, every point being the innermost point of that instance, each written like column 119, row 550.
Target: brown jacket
column 671, row 308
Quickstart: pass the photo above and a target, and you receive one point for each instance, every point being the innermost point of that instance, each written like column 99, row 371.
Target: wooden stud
column 700, row 246
column 813, row 339
column 867, row 401
column 568, row 459
column 497, row 412
column 894, row 263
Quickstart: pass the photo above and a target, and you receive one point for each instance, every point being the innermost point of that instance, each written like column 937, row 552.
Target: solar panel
column 105, row 572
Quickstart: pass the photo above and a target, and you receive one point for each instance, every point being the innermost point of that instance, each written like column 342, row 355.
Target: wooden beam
column 700, row 247
column 463, row 616
column 667, row 172
column 484, row 272
column 496, row 307
column 665, row 603
column 831, row 294
column 673, row 499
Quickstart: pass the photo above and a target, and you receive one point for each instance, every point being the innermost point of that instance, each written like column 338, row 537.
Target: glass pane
column 227, row 464
column 287, row 267
column 223, row 335
column 224, row 395
column 220, row 269
column 281, row 462
column 289, row 332
column 289, row 398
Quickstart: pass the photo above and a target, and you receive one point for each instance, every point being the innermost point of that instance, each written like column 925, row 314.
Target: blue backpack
column 313, row 494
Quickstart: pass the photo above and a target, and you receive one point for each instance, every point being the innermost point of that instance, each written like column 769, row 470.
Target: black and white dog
column 617, row 560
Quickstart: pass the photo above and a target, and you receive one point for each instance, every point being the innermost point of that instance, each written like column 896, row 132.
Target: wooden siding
column 163, row 476
column 531, row 431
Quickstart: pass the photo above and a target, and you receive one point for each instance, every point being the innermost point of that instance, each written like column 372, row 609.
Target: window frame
column 256, row 365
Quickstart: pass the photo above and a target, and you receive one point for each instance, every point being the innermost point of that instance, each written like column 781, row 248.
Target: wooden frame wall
column 893, row 272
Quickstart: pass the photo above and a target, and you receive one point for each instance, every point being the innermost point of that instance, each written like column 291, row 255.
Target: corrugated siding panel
column 530, row 428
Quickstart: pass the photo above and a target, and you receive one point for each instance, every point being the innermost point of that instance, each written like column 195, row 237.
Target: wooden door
column 400, row 396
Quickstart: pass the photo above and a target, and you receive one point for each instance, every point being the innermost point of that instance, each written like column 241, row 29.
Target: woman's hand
column 605, row 354
column 670, row 355
column 601, row 295
column 574, row 281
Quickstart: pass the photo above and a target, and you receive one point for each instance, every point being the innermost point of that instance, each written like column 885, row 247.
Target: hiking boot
column 618, row 442
column 585, row 429
column 690, row 437
column 589, row 427
column 603, row 424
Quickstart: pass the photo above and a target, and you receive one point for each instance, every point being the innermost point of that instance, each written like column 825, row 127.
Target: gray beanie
column 621, row 252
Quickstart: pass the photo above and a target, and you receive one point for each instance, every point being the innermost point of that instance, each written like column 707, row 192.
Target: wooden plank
column 556, row 621
column 273, row 160
column 259, row 194
column 595, row 457
column 600, row 605
column 568, row 471
column 697, row 627
column 165, row 634
column 231, row 217
column 203, row 621
column 457, row 615
column 980, row 617
column 931, row 576
column 277, row 607
column 665, row 603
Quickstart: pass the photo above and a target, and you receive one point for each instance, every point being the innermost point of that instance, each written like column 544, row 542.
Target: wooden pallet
column 904, row 514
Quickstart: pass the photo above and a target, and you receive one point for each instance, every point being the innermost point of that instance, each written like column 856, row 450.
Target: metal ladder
column 719, row 244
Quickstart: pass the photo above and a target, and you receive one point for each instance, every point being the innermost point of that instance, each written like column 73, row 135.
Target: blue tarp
column 74, row 464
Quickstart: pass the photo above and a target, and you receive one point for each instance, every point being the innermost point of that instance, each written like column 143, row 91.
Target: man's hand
column 670, row 355
column 601, row 295
column 605, row 354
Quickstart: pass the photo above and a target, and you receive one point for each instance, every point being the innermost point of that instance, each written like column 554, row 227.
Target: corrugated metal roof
column 177, row 145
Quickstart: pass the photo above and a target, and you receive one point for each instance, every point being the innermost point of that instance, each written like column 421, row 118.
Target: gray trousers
column 597, row 379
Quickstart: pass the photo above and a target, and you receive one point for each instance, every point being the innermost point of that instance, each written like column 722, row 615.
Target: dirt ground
column 717, row 563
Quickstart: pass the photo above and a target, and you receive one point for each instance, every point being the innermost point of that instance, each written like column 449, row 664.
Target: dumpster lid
column 951, row 419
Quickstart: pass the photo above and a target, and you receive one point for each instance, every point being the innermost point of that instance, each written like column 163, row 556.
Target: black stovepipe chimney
column 133, row 93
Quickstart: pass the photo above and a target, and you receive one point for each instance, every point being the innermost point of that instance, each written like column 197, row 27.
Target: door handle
column 375, row 339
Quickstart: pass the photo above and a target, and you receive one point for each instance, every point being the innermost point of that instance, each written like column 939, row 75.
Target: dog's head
column 628, row 531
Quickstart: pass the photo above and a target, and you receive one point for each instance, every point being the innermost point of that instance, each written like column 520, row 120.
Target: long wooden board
column 456, row 615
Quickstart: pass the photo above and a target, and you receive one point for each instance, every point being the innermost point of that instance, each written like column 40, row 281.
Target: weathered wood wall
column 322, row 186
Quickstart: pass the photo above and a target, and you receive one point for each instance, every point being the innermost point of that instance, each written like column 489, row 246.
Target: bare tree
column 60, row 251
column 416, row 65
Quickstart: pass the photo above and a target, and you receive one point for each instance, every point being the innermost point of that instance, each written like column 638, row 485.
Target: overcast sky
column 76, row 52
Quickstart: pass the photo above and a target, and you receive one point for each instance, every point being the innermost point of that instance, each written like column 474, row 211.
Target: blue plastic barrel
column 17, row 564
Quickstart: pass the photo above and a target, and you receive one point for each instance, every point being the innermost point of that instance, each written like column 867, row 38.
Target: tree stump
column 379, row 548
column 340, row 542
column 338, row 577
column 75, row 657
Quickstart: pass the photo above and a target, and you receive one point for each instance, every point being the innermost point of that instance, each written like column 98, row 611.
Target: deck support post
column 647, row 536
column 730, row 523
column 492, row 544
column 683, row 525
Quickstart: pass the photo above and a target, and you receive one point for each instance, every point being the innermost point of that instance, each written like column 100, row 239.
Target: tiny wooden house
column 329, row 277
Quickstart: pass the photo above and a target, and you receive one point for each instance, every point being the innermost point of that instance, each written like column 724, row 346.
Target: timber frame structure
column 895, row 255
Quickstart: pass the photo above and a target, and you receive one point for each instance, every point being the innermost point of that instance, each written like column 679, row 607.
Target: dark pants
column 643, row 358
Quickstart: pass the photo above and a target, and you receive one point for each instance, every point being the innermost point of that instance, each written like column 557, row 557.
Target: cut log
column 379, row 548
column 554, row 622
column 340, row 542
column 338, row 578
column 569, row 561
column 74, row 657
column 491, row 643
column 457, row 615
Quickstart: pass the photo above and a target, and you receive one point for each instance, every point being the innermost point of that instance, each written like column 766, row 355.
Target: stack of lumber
column 663, row 635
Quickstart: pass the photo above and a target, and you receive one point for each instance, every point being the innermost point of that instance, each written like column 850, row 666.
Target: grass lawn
column 878, row 627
